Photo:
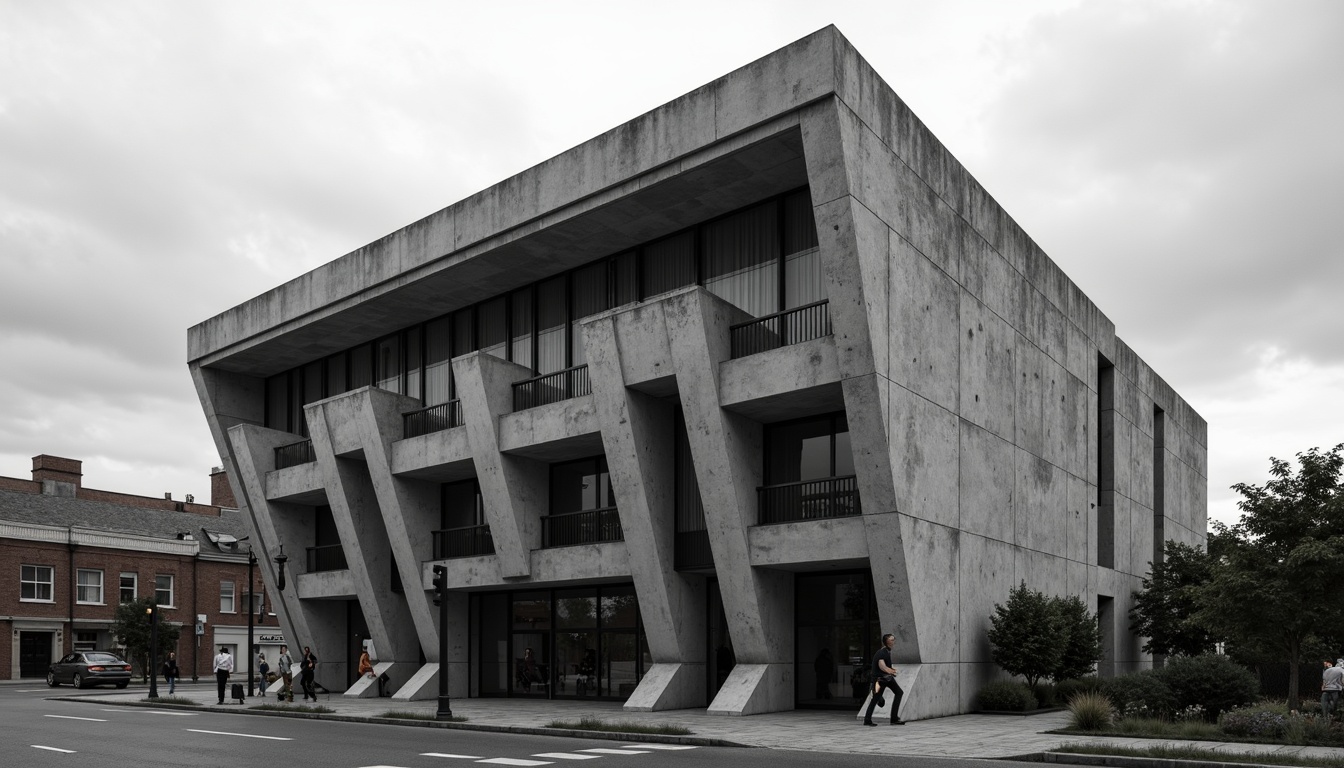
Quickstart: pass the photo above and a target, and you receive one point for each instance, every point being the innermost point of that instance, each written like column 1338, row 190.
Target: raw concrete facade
column 1000, row 430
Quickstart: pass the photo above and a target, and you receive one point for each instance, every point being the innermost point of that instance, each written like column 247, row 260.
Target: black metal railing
column 552, row 388
column 435, row 418
column 808, row 500
column 587, row 527
column 466, row 541
column 691, row 551
column 792, row 326
column 294, row 454
column 330, row 557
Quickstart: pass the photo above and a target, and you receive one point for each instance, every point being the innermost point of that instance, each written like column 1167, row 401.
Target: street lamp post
column 153, row 612
column 445, row 711
column 251, row 649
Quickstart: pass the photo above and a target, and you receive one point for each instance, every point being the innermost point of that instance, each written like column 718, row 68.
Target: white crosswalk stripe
column 446, row 754
column 605, row 751
column 661, row 746
column 513, row 761
column 566, row 756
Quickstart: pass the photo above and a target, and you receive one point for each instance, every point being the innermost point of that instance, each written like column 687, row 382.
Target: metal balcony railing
column 294, row 454
column 691, row 551
column 466, row 541
column 330, row 557
column 587, row 527
column 552, row 388
column 808, row 500
column 435, row 418
column 792, row 326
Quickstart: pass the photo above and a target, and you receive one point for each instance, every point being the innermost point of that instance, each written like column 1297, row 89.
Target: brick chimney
column 221, row 493
column 57, row 469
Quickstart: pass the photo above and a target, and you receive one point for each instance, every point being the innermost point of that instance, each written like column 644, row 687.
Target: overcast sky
column 161, row 162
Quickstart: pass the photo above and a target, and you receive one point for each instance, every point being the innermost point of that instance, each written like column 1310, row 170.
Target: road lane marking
column 72, row 717
column 445, row 754
column 138, row 711
column 605, row 751
column 53, row 749
column 566, row 756
column 29, row 690
column 244, row 735
column 661, row 746
column 513, row 761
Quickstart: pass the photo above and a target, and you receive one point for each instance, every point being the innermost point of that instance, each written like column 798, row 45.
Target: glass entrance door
column 837, row 634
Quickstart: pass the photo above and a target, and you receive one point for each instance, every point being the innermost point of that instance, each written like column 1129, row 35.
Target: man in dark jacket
column 170, row 672
column 884, row 678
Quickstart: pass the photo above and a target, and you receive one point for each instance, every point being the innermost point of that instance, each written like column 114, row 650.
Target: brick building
column 69, row 555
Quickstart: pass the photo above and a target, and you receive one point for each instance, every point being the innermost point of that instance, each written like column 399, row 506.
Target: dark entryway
column 34, row 653
column 838, row 632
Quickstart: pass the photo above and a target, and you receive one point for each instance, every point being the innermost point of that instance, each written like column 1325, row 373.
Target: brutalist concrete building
column 694, row 412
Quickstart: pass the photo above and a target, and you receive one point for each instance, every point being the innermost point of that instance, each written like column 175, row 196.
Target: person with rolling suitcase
column 223, row 668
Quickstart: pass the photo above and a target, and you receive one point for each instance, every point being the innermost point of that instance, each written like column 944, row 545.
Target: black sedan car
column 85, row 669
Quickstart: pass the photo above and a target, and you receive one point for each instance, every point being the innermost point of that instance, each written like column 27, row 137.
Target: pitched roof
column 65, row 511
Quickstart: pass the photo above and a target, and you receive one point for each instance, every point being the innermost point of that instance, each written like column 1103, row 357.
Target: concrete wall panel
column 924, row 343
column 924, row 458
column 988, row 476
column 988, row 369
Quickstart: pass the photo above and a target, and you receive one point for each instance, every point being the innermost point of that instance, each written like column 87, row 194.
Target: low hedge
column 1006, row 696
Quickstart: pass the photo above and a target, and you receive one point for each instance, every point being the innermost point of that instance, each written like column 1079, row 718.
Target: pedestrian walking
column 285, row 663
column 1332, row 682
column 223, row 668
column 884, row 678
column 170, row 672
column 307, row 673
column 263, row 669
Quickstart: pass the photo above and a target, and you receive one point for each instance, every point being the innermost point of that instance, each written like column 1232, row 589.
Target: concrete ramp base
column 906, row 676
column 423, row 683
column 676, row 685
column 752, row 689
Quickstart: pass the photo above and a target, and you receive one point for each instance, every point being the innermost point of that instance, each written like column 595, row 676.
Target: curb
column 652, row 738
column 1119, row 761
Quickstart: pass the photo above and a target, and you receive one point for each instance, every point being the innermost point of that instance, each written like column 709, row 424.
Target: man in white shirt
column 223, row 667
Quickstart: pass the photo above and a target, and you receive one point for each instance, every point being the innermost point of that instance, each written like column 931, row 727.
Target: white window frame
column 158, row 589
column 88, row 598
column 135, row 586
column 37, row 583
column 228, row 591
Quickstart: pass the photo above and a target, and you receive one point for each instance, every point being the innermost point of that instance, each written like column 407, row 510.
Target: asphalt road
column 37, row 732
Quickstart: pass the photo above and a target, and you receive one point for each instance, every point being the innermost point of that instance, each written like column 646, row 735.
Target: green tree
column 1164, row 612
column 131, row 629
column 1026, row 635
column 1082, row 638
column 1279, row 571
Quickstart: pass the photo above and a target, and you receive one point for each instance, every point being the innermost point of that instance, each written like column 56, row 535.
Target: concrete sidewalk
column 967, row 736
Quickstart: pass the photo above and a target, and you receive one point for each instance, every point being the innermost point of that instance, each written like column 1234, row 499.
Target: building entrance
column 837, row 633
column 34, row 653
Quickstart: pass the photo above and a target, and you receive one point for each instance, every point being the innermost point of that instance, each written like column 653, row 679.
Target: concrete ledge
column 669, row 686
column 752, row 689
column 1119, row 761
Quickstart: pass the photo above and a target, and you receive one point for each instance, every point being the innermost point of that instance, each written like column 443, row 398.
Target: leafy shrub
column 1007, row 696
column 1082, row 645
column 1139, row 694
column 1045, row 694
column 1265, row 721
column 1211, row 681
column 1065, row 690
column 1026, row 634
column 1090, row 711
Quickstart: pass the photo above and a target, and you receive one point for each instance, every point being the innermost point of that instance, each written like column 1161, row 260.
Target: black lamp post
column 153, row 611
column 441, row 599
column 251, row 616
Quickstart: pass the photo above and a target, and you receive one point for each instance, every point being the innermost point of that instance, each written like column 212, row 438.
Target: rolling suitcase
column 237, row 692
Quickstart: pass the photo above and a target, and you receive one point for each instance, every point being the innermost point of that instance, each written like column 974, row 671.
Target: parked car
column 85, row 669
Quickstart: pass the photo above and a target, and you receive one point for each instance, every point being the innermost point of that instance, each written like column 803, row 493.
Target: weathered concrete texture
column 668, row 685
column 752, row 689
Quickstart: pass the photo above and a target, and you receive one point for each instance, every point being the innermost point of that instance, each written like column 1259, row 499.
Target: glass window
column 412, row 359
column 438, row 353
column 462, row 505
column 389, row 364
column 226, row 597
column 625, row 279
column 521, row 328
column 493, row 330
column 590, row 297
column 581, row 485
column 312, row 383
column 531, row 611
column 552, row 326
column 336, row 382
column 163, row 590
column 277, row 402
column 129, row 587
column 361, row 366
column 575, row 608
column 89, row 586
column 464, row 332
column 809, row 449
column 297, row 422
column 620, row 608
column 36, row 583
column 668, row 264
column 741, row 259
column 804, row 281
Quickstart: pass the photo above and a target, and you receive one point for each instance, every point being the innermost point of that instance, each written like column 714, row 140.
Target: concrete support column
column 514, row 489
column 638, row 436
column 726, row 449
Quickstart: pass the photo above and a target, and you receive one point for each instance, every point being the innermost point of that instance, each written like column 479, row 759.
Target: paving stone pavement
column 968, row 736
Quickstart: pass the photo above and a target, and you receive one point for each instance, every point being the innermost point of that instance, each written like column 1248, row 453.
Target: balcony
column 294, row 454
column 435, row 418
column 330, row 557
column 792, row 326
column 467, row 541
column 808, row 500
column 552, row 388
column 592, row 526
